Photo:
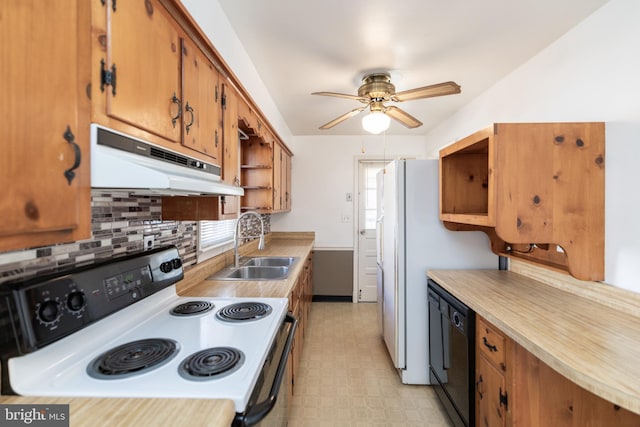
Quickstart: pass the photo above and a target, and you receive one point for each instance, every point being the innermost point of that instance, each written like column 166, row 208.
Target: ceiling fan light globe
column 376, row 122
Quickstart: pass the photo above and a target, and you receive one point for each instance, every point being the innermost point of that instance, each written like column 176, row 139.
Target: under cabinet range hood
column 122, row 162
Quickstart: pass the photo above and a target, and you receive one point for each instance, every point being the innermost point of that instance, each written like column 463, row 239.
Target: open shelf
column 466, row 186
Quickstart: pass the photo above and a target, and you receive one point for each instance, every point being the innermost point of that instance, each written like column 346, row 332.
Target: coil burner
column 133, row 358
column 243, row 311
column 192, row 308
column 211, row 363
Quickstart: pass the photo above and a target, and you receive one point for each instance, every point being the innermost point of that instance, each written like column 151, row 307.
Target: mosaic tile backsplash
column 119, row 222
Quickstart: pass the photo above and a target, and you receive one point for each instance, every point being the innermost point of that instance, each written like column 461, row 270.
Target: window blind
column 215, row 233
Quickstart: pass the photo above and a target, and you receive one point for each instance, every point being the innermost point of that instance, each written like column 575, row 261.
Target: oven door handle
column 260, row 410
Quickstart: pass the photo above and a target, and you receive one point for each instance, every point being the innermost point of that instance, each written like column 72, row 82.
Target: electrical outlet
column 148, row 242
column 346, row 217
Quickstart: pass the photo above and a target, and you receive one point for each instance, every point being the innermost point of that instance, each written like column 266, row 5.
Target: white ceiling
column 302, row 46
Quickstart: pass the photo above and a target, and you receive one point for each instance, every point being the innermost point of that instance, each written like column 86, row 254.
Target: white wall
column 323, row 171
column 592, row 73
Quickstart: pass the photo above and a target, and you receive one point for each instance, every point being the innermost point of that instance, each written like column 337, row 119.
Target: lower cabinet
column 514, row 387
column 299, row 306
column 547, row 398
column 493, row 375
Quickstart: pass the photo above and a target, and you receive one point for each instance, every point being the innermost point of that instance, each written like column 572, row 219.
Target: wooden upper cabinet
column 44, row 169
column 230, row 205
column 537, row 189
column 201, row 109
column 281, row 179
column 277, row 177
column 142, row 62
column 230, row 141
column 286, row 179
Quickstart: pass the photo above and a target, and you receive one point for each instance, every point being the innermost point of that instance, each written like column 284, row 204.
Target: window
column 368, row 192
column 214, row 237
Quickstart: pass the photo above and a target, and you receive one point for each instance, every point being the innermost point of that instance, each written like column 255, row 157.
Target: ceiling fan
column 376, row 89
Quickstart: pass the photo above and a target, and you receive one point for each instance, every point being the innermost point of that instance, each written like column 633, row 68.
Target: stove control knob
column 166, row 267
column 76, row 301
column 48, row 311
column 176, row 263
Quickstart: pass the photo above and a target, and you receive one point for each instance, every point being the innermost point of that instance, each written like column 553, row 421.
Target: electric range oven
column 118, row 329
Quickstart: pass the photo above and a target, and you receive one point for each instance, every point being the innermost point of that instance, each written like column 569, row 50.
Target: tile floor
column 346, row 377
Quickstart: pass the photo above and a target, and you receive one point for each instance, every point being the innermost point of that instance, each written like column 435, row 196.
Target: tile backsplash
column 119, row 222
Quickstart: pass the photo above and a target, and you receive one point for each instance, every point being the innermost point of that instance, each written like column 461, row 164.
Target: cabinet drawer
column 491, row 342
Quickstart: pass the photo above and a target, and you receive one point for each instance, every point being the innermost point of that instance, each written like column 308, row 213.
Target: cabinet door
column 230, row 142
column 45, row 199
column 230, row 205
column 490, row 385
column 202, row 114
column 277, row 177
column 286, row 181
column 144, row 49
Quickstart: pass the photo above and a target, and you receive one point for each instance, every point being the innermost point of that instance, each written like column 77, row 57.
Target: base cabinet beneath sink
column 514, row 387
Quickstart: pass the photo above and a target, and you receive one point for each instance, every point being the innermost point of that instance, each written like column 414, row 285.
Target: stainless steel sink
column 267, row 261
column 252, row 272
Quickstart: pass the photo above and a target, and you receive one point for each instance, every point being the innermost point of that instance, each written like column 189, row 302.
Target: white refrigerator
column 411, row 239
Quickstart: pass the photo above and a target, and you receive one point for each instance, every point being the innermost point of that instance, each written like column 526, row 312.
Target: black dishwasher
column 451, row 354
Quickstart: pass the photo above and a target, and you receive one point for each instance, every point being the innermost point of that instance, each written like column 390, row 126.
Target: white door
column 367, row 187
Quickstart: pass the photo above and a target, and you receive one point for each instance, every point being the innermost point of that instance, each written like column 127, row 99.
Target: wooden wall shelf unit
column 256, row 170
column 537, row 190
column 265, row 167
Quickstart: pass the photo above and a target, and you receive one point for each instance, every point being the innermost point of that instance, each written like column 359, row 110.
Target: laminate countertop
column 585, row 336
column 299, row 245
column 90, row 412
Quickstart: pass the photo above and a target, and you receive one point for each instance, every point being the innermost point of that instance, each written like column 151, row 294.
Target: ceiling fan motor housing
column 378, row 87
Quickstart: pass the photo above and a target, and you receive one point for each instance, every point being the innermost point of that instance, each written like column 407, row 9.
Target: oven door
column 268, row 405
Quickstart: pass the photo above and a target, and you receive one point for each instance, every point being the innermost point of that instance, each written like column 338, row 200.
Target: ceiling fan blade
column 440, row 89
column 342, row 118
column 402, row 116
column 343, row 95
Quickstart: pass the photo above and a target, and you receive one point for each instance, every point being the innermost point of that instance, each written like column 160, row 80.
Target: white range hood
column 122, row 162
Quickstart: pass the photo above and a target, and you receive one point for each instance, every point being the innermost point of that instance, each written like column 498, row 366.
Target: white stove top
column 60, row 369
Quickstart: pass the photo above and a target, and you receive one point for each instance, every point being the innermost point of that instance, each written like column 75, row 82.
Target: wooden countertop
column 297, row 245
column 593, row 343
column 188, row 412
column 92, row 412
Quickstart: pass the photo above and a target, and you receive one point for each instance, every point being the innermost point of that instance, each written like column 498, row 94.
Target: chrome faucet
column 235, row 236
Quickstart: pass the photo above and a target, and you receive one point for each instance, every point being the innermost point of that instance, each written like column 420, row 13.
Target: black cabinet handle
column 189, row 109
column 68, row 136
column 176, row 101
column 478, row 384
column 491, row 347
